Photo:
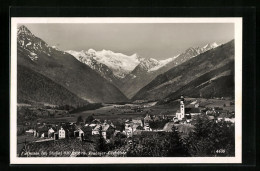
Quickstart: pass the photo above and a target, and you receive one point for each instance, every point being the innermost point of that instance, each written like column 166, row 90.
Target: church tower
column 180, row 115
column 182, row 107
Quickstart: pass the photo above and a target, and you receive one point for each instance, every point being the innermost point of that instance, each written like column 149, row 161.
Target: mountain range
column 50, row 75
column 63, row 70
column 131, row 73
column 209, row 74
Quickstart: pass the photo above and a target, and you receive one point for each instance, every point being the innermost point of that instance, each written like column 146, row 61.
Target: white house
column 62, row 133
column 147, row 127
column 51, row 132
column 96, row 130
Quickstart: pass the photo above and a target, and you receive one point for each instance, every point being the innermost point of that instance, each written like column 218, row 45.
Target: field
column 118, row 112
column 114, row 112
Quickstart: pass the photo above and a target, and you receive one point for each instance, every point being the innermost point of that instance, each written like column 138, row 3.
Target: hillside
column 34, row 87
column 149, row 69
column 64, row 69
column 208, row 74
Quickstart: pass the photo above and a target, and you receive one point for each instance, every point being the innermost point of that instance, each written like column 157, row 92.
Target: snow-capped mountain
column 193, row 52
column 119, row 63
column 151, row 64
column 131, row 73
column 63, row 69
column 209, row 74
column 162, row 63
column 32, row 44
column 88, row 59
column 149, row 69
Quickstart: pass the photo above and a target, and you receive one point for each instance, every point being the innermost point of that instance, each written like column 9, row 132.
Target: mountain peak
column 24, row 30
column 210, row 46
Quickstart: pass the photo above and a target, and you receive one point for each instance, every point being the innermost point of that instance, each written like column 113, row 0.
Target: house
column 175, row 120
column 138, row 122
column 63, row 132
column 232, row 120
column 192, row 111
column 210, row 117
column 96, row 129
column 147, row 127
column 225, row 116
column 156, row 118
column 107, row 131
column 30, row 131
column 92, row 125
column 116, row 132
column 211, row 112
column 41, row 131
column 96, row 121
column 129, row 132
column 83, row 132
column 195, row 104
column 51, row 132
column 147, row 119
column 130, row 126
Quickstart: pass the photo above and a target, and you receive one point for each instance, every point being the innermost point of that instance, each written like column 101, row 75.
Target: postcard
column 95, row 90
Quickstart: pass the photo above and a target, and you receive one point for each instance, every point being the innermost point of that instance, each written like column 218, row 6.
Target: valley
column 105, row 101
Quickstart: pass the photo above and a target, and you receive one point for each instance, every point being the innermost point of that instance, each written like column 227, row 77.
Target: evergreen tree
column 89, row 119
column 79, row 119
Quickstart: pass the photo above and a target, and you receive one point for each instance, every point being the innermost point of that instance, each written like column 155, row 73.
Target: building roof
column 139, row 128
column 93, row 125
column 105, row 127
column 192, row 110
column 86, row 129
column 137, row 121
column 97, row 127
column 54, row 129
column 42, row 129
column 147, row 117
column 96, row 121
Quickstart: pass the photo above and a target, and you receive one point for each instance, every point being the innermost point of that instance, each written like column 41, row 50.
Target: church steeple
column 182, row 107
column 180, row 115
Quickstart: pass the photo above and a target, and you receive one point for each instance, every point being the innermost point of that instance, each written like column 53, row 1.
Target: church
column 186, row 112
column 180, row 114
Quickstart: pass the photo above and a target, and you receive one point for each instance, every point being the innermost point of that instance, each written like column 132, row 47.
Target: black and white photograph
column 126, row 90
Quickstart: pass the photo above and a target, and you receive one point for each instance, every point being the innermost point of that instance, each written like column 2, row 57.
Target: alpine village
column 90, row 104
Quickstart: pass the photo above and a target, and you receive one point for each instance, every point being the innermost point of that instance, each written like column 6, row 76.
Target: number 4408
column 221, row 151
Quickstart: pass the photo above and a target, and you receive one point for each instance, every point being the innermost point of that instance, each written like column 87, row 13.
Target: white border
column 125, row 160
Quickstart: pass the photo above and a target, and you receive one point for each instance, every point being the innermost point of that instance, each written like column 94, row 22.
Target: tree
column 89, row 119
column 79, row 119
column 101, row 144
column 157, row 144
column 209, row 137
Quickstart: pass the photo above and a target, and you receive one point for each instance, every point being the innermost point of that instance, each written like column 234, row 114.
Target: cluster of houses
column 66, row 130
column 107, row 130
column 184, row 115
column 131, row 127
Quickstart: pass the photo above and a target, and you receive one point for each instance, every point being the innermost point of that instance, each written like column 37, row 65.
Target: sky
column 148, row 40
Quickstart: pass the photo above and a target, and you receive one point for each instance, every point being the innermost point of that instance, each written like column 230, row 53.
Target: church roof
column 192, row 110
